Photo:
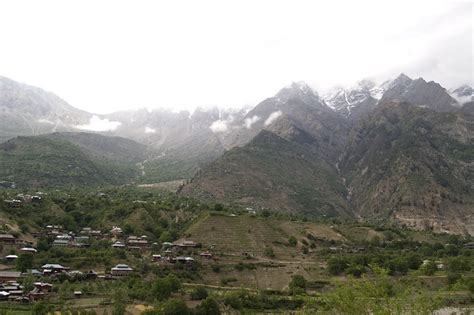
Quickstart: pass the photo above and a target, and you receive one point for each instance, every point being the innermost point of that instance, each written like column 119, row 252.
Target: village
column 167, row 253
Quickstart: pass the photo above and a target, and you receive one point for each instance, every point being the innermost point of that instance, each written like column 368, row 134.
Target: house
column 29, row 250
column 116, row 230
column 469, row 245
column 36, row 199
column 13, row 203
column 11, row 257
column 77, row 294
column 91, row 232
column 7, row 239
column 121, row 270
column 91, row 275
column 251, row 211
column 138, row 243
column 43, row 286
column 61, row 243
column 36, row 294
column 6, row 184
column 81, row 241
column 184, row 244
column 4, row 295
column 157, row 257
column 118, row 244
column 53, row 268
column 64, row 237
column 10, row 275
column 183, row 260
column 76, row 274
column 206, row 254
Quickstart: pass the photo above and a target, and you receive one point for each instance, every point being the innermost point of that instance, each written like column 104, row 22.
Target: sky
column 103, row 56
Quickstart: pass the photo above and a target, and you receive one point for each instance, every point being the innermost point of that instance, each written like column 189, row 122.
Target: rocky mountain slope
column 402, row 150
column 413, row 165
column 275, row 173
column 420, row 93
column 26, row 110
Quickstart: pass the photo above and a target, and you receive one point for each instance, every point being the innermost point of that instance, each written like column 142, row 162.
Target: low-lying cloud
column 149, row 130
column 219, row 126
column 272, row 117
column 98, row 124
column 248, row 122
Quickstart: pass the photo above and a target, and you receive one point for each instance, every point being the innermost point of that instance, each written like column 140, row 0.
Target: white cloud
column 248, row 122
column 272, row 117
column 45, row 121
column 338, row 42
column 149, row 130
column 98, row 124
column 219, row 126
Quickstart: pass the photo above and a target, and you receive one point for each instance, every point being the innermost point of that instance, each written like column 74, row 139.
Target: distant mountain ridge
column 399, row 151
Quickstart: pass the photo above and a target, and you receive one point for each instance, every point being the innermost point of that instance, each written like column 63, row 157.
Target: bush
column 199, row 293
column 298, row 284
column 269, row 252
column 355, row 270
column 292, row 241
column 453, row 277
column 337, row 265
column 470, row 285
column 208, row 307
column 175, row 307
column 216, row 268
column 459, row 264
column 429, row 268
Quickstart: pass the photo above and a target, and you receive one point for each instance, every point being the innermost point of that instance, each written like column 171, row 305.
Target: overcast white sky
column 103, row 56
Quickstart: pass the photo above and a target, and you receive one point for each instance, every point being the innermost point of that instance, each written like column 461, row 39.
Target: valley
column 305, row 204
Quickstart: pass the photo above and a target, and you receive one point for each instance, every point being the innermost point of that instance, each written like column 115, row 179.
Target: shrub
column 269, row 252
column 337, row 265
column 175, row 307
column 208, row 307
column 298, row 284
column 199, row 293
column 453, row 277
column 292, row 241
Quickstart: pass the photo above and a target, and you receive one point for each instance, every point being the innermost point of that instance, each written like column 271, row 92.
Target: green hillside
column 271, row 172
column 50, row 161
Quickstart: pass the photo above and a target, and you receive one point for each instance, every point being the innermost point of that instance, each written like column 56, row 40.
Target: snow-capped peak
column 463, row 94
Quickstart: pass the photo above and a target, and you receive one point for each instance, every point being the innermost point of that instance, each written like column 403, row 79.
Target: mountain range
column 401, row 151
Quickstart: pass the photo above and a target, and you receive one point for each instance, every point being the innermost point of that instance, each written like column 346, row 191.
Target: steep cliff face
column 413, row 165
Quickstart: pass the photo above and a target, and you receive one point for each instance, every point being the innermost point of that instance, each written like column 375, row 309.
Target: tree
column 199, row 293
column 292, row 241
column 120, row 299
column 175, row 307
column 28, row 284
column 208, row 307
column 337, row 265
column 163, row 287
column 376, row 295
column 297, row 284
column 24, row 262
column 41, row 308
column 429, row 268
